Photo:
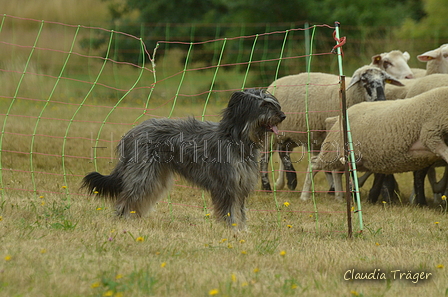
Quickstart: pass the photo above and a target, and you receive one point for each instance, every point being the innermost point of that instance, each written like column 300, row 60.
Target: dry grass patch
column 55, row 247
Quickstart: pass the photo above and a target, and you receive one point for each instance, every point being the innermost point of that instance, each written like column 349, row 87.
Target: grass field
column 58, row 241
column 55, row 247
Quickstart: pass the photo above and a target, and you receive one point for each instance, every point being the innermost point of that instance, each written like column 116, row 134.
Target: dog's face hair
column 250, row 114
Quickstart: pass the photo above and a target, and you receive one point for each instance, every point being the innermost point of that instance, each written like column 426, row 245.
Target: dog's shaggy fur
column 219, row 157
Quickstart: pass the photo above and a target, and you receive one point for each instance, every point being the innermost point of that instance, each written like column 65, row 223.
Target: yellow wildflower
column 108, row 293
column 286, row 204
column 282, row 253
column 95, row 285
column 440, row 266
column 8, row 258
column 140, row 239
column 163, row 264
column 213, row 292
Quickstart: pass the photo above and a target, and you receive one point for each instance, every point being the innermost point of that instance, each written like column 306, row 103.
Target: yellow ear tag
column 388, row 81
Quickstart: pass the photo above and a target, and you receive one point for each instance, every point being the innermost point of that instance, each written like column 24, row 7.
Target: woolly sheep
column 367, row 84
column 437, row 63
column 395, row 63
column 408, row 136
column 412, row 88
column 436, row 60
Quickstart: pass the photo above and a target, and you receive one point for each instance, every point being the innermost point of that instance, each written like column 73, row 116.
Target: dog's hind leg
column 141, row 194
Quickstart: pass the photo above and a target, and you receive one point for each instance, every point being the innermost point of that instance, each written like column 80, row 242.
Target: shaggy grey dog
column 221, row 158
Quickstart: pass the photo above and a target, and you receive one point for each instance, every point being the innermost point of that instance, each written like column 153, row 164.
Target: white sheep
column 413, row 87
column 395, row 63
column 436, row 61
column 408, row 136
column 321, row 92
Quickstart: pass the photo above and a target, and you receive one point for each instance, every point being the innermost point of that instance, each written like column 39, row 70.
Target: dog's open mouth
column 272, row 128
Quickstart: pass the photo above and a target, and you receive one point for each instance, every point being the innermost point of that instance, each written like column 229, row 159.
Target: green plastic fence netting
column 66, row 100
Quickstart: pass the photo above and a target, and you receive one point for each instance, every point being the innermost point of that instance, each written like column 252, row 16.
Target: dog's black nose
column 282, row 116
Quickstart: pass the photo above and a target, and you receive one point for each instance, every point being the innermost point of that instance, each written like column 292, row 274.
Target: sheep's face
column 395, row 63
column 373, row 81
column 438, row 56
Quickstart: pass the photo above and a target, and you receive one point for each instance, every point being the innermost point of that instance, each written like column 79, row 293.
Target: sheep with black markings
column 409, row 135
column 321, row 92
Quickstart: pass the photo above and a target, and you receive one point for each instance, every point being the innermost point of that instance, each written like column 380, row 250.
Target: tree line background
column 371, row 27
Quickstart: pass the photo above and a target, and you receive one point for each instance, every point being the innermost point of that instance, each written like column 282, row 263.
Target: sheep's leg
column 280, row 183
column 288, row 168
column 389, row 189
column 306, row 191
column 419, row 186
column 363, row 179
column 374, row 192
column 338, row 191
column 330, row 181
column 384, row 185
column 435, row 142
column 264, row 161
column 438, row 187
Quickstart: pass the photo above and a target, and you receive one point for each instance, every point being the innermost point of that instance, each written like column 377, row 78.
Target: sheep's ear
column 391, row 80
column 406, row 56
column 376, row 60
column 329, row 122
column 428, row 56
column 354, row 80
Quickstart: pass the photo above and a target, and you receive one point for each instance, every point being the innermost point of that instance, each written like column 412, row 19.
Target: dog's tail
column 108, row 186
